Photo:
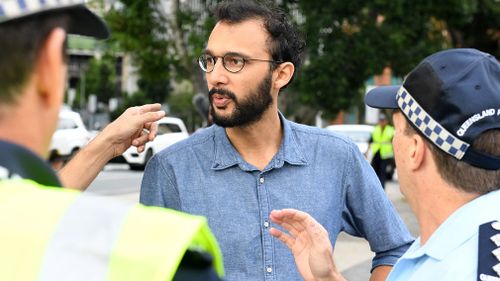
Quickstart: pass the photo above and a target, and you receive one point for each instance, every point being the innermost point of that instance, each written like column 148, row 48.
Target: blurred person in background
column 381, row 148
column 447, row 148
column 50, row 233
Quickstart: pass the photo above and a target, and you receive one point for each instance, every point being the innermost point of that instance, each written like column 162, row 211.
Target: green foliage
column 101, row 79
column 350, row 41
column 164, row 47
column 136, row 99
column 138, row 29
column 180, row 104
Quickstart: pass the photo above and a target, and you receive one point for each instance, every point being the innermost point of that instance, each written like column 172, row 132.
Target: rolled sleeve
column 369, row 213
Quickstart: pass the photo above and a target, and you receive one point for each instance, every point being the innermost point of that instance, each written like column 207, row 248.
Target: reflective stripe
column 33, row 4
column 81, row 246
column 59, row 234
column 29, row 214
column 158, row 238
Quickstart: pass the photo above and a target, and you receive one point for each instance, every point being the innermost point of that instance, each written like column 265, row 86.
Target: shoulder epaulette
column 488, row 262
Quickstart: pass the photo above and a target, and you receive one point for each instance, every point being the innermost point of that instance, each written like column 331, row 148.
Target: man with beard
column 253, row 160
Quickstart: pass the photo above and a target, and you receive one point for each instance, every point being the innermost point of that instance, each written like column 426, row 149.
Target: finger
column 141, row 140
column 297, row 219
column 283, row 237
column 289, row 217
column 153, row 129
column 291, row 229
column 149, row 108
column 276, row 216
column 148, row 118
column 140, row 148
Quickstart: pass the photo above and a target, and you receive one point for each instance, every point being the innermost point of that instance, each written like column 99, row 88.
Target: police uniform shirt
column 18, row 162
column 451, row 253
column 488, row 267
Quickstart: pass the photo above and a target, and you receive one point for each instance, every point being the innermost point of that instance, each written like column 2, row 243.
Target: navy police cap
column 82, row 20
column 451, row 97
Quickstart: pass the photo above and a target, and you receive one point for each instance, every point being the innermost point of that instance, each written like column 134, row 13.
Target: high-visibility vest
column 51, row 233
column 382, row 141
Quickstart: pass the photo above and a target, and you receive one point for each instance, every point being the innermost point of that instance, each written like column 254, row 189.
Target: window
column 167, row 128
column 65, row 124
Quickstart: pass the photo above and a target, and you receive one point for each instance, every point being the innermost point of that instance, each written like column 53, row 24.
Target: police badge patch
column 488, row 262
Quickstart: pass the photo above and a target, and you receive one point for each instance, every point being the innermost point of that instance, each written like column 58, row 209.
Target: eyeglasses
column 231, row 62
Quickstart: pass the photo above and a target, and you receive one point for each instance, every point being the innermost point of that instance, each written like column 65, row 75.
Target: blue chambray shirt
column 451, row 253
column 314, row 170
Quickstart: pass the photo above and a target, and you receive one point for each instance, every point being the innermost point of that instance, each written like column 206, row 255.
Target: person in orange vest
column 381, row 148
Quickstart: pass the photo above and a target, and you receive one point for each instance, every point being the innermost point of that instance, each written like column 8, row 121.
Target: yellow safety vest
column 383, row 141
column 51, row 233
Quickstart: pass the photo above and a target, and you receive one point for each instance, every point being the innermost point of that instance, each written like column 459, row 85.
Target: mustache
column 220, row 91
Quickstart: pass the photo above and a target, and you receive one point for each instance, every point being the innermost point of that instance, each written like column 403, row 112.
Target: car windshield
column 65, row 123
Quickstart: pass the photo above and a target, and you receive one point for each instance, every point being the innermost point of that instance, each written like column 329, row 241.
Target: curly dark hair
column 286, row 43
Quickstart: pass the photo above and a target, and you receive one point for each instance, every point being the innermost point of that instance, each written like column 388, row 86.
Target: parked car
column 360, row 135
column 170, row 131
column 69, row 137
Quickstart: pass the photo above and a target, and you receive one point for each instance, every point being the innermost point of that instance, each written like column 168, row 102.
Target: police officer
column 447, row 149
column 49, row 233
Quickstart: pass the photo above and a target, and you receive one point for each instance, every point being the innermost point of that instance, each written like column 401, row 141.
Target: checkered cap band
column 11, row 9
column 443, row 139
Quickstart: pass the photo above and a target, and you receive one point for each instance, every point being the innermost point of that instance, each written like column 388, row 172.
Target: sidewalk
column 353, row 256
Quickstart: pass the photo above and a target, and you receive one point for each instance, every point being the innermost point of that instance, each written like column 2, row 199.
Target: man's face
column 238, row 99
column 246, row 110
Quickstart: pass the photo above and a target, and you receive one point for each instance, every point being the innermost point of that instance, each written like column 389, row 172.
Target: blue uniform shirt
column 314, row 170
column 451, row 253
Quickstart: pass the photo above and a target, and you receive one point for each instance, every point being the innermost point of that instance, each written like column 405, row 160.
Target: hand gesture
column 136, row 126
column 308, row 240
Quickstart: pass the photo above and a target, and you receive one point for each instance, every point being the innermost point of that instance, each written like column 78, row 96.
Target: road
column 352, row 254
column 118, row 181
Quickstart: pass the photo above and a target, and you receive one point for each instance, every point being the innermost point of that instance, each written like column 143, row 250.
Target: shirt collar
column 458, row 228
column 290, row 150
column 18, row 162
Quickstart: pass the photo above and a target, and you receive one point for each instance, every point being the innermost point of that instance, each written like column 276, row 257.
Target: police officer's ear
column 282, row 74
column 418, row 152
column 50, row 68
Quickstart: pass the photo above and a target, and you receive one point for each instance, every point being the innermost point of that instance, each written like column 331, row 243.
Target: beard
column 247, row 111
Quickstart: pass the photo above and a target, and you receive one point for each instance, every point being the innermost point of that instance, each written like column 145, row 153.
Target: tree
column 137, row 28
column 101, row 78
column 349, row 41
column 165, row 39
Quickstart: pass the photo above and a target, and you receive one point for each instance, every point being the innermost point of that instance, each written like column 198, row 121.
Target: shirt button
column 261, row 180
column 266, row 224
column 269, row 269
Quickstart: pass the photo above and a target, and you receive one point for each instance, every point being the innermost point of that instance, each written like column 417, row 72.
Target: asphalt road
column 352, row 254
column 119, row 181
